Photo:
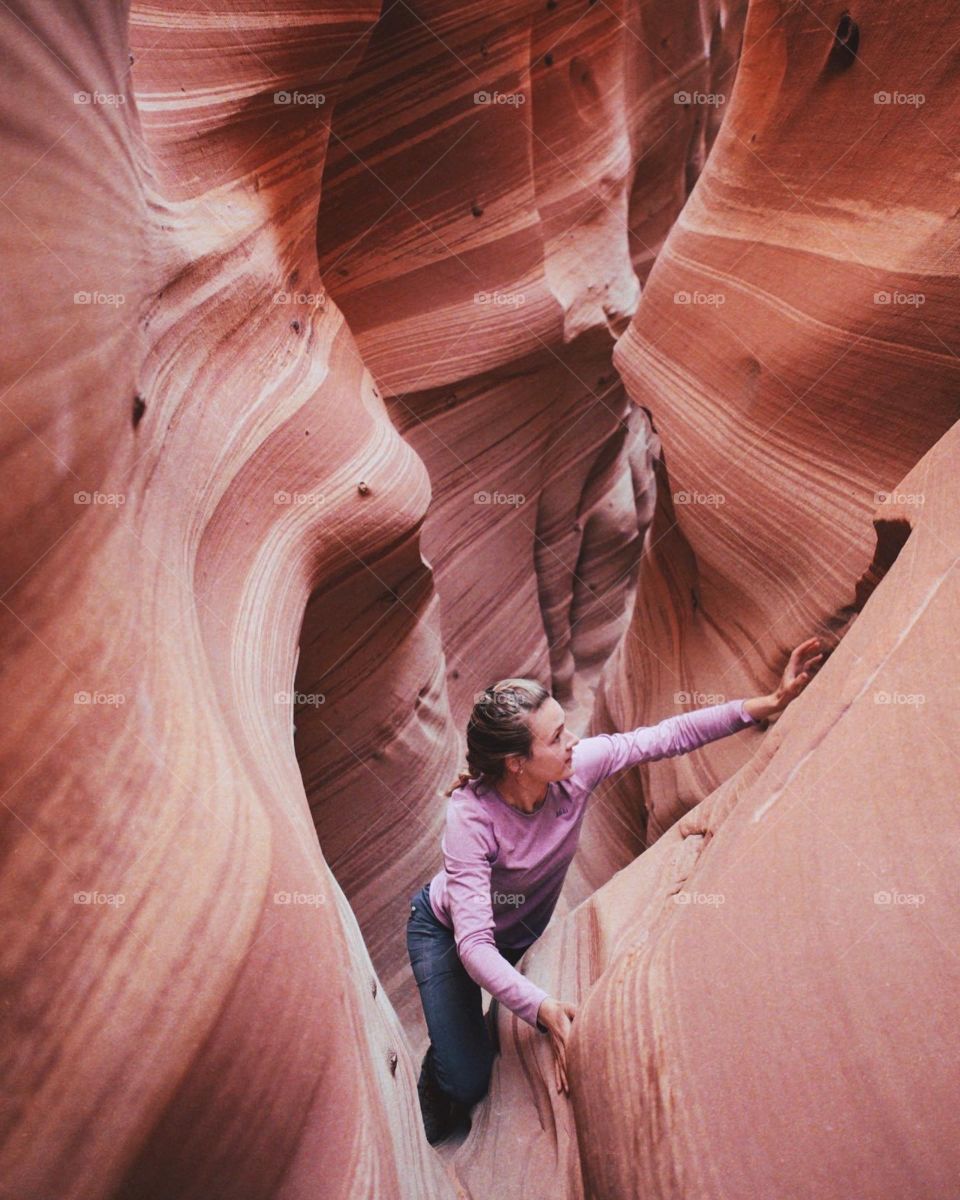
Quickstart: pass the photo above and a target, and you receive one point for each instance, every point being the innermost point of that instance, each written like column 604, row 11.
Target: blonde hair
column 498, row 727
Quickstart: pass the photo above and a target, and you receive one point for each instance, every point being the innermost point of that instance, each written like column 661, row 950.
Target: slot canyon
column 359, row 355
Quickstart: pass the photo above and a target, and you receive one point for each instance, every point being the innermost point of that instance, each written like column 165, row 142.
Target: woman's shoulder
column 591, row 761
column 470, row 816
column 472, row 785
column 474, row 796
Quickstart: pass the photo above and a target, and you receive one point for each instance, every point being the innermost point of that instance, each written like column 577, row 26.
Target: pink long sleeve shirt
column 503, row 869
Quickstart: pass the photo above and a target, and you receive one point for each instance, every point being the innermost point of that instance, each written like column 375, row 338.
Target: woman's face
column 551, row 750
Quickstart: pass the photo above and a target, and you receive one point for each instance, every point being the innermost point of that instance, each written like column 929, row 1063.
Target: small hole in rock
column 139, row 408
column 846, row 41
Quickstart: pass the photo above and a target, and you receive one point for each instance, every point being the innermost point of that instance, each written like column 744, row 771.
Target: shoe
column 440, row 1113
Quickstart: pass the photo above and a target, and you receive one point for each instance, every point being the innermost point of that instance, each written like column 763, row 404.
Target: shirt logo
column 564, row 808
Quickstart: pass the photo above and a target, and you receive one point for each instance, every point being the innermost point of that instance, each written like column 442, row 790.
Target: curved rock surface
column 769, row 992
column 498, row 177
column 311, row 322
column 796, row 347
column 194, row 1011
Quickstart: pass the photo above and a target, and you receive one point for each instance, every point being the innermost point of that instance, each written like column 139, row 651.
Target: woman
column 512, row 826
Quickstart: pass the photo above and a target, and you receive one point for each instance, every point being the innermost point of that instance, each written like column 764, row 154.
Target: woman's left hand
column 556, row 1016
column 798, row 672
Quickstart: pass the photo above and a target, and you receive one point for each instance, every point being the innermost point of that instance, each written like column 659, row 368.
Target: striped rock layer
column 221, row 582
column 193, row 1009
column 767, row 996
column 499, row 178
column 795, row 346
column 768, row 992
column 314, row 426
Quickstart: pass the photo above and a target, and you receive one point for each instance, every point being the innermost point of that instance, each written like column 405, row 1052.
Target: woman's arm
column 596, row 758
column 468, row 896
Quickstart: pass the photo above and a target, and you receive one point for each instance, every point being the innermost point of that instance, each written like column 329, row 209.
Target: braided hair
column 498, row 727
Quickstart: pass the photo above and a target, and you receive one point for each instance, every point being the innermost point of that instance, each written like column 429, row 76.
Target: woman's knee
column 469, row 1082
column 471, row 1089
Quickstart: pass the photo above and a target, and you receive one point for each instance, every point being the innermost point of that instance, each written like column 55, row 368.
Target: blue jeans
column 461, row 1052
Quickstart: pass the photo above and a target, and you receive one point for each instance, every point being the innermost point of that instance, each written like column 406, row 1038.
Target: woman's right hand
column 556, row 1016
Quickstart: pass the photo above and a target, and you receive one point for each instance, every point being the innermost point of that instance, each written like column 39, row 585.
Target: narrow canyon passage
column 359, row 355
column 486, row 252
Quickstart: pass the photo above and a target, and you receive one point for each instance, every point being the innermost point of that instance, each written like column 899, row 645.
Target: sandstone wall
column 289, row 310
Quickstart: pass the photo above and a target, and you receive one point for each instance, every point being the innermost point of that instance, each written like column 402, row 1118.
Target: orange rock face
column 768, row 991
column 497, row 178
column 794, row 346
column 314, row 425
column 194, row 1011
